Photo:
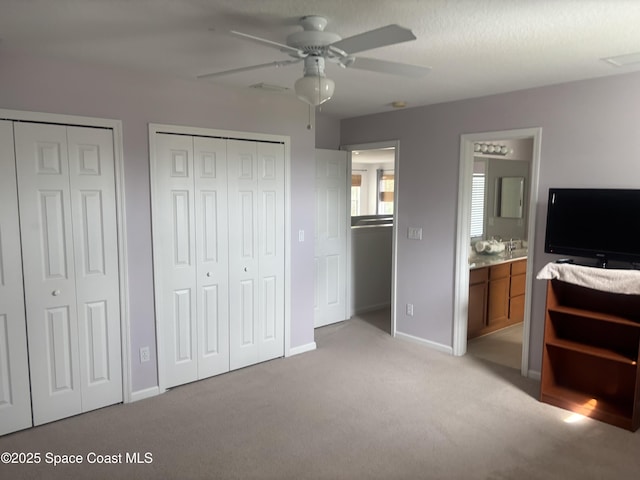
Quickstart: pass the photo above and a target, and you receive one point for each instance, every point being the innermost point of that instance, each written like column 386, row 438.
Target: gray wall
column 589, row 138
column 48, row 86
column 327, row 132
column 371, row 255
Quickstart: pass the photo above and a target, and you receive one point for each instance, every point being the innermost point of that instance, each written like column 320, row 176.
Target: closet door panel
column 243, row 253
column 49, row 272
column 93, row 205
column 210, row 165
column 271, row 249
column 175, row 256
column 15, row 399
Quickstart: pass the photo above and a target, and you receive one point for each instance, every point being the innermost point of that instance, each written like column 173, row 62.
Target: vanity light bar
column 492, row 148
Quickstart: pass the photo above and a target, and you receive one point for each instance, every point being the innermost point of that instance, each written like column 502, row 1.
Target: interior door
column 210, row 169
column 256, row 251
column 93, row 205
column 191, row 255
column 49, row 270
column 174, row 253
column 15, row 400
column 331, row 238
column 271, row 181
column 68, row 228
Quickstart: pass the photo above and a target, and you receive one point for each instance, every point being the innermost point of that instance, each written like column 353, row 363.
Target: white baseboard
column 427, row 343
column 302, row 349
column 533, row 374
column 146, row 393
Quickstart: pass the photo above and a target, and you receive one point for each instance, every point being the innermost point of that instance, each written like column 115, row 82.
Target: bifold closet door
column 66, row 190
column 256, row 251
column 190, row 249
column 15, row 399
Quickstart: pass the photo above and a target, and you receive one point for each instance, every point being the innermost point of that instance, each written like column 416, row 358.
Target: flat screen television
column 594, row 223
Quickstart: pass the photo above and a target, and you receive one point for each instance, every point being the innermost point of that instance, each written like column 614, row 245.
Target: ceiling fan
column 314, row 46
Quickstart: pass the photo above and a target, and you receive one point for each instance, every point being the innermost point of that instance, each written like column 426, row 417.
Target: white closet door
column 92, row 182
column 49, row 272
column 175, row 256
column 271, row 250
column 15, row 401
column 68, row 226
column 212, row 306
column 243, row 252
column 256, row 251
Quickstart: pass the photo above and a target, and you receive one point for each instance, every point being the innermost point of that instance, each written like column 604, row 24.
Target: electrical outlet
column 145, row 355
column 410, row 309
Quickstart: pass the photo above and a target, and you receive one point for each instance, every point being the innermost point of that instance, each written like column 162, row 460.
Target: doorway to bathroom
column 497, row 199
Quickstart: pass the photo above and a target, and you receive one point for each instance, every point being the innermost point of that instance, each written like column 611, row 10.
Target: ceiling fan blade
column 392, row 68
column 269, row 43
column 379, row 37
column 252, row 67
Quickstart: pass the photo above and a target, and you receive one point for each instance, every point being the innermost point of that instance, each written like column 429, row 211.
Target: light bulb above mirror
column 492, row 149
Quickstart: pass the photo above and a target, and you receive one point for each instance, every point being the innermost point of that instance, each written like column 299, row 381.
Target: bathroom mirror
column 511, row 197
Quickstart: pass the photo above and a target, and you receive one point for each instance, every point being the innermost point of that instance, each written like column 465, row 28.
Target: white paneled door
column 218, row 214
column 190, row 246
column 15, row 401
column 331, row 238
column 66, row 190
column 256, row 251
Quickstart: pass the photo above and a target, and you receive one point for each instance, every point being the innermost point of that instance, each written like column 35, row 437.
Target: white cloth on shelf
column 604, row 279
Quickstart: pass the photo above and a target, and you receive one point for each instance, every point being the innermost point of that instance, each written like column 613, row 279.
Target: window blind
column 477, row 205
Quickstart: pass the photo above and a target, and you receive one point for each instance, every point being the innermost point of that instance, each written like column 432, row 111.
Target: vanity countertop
column 478, row 260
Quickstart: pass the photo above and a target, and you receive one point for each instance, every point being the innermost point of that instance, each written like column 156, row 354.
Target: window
column 385, row 192
column 356, row 190
column 477, row 205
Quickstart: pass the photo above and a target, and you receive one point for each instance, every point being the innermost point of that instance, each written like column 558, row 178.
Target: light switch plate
column 415, row 233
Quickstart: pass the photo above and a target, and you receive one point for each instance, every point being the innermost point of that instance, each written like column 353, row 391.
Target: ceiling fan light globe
column 314, row 90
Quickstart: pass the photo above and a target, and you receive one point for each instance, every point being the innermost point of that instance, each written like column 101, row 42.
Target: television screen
column 594, row 223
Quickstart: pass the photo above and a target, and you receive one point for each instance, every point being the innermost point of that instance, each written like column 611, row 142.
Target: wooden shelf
column 603, row 409
column 591, row 353
column 604, row 317
column 604, row 353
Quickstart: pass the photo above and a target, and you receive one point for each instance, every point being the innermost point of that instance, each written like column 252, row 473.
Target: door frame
column 394, row 237
column 123, row 273
column 155, row 128
column 461, row 284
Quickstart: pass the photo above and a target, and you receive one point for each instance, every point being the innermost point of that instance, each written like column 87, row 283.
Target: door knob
column 55, row 293
column 209, row 274
column 246, row 269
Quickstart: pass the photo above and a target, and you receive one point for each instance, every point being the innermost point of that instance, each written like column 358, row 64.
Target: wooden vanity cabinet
column 499, row 285
column 478, row 294
column 496, row 297
column 516, row 290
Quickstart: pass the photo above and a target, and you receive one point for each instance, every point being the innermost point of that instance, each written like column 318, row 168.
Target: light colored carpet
column 361, row 406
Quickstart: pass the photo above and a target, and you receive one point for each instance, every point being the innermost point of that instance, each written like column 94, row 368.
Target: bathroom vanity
column 496, row 292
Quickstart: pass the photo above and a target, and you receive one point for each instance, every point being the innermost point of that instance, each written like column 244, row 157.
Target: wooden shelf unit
column 591, row 353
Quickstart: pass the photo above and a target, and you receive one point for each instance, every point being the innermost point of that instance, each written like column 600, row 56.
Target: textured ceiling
column 474, row 47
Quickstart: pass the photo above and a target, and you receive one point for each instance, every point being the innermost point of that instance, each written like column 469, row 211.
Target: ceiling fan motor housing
column 313, row 40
